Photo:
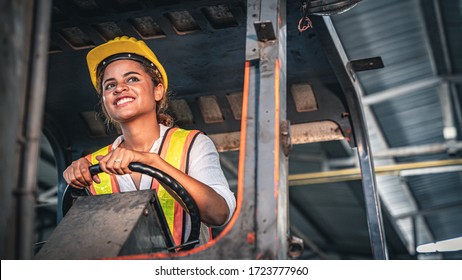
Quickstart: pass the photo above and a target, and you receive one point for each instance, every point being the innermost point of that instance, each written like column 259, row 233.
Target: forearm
column 212, row 206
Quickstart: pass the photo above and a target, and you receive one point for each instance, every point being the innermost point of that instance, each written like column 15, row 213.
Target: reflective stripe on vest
column 106, row 186
column 174, row 150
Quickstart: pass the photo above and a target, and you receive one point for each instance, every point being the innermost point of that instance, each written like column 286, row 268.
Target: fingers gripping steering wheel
column 174, row 188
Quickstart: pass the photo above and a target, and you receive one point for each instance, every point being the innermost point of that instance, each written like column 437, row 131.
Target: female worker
column 132, row 87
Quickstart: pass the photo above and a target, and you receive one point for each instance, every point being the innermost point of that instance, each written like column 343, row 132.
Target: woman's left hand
column 212, row 206
column 116, row 162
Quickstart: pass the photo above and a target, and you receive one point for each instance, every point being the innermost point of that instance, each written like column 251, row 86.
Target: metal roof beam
column 387, row 94
column 430, row 210
column 355, row 174
column 419, row 150
column 381, row 96
column 453, row 78
column 441, row 59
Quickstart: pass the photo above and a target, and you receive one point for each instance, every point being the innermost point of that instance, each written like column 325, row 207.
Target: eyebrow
column 131, row 72
column 124, row 75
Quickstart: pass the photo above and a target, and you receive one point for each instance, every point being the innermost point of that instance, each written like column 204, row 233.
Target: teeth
column 124, row 100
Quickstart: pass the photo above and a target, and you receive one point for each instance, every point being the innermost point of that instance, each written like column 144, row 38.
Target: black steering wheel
column 175, row 189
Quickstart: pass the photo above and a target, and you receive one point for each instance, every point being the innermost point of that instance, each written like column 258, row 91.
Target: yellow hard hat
column 122, row 48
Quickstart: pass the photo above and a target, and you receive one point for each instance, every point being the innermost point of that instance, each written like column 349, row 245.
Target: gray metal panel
column 446, row 224
column 106, row 226
column 437, row 189
column 412, row 119
column 392, row 30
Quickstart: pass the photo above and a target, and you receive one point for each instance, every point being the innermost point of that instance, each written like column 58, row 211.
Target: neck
column 140, row 134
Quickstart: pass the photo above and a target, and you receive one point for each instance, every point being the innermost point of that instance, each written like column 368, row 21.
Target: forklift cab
column 119, row 224
column 238, row 71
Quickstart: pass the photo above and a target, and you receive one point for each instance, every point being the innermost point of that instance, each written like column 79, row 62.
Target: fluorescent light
column 454, row 244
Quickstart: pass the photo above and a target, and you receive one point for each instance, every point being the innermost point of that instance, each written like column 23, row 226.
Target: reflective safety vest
column 174, row 149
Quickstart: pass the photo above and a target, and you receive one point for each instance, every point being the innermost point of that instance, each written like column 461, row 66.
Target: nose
column 120, row 87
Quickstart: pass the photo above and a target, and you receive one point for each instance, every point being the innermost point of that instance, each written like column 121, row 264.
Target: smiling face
column 128, row 91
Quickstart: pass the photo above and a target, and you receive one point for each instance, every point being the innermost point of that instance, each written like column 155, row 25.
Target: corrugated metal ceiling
column 400, row 32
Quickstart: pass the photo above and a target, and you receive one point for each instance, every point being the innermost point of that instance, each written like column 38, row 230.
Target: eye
column 109, row 86
column 133, row 79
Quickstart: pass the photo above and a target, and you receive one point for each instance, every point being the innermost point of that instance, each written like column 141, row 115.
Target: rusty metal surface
column 271, row 166
column 318, row 131
column 315, row 132
column 226, row 141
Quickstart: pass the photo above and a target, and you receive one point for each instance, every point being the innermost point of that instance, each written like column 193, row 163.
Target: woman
column 132, row 86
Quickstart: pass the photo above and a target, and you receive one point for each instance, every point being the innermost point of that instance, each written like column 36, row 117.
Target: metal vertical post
column 338, row 59
column 266, row 51
column 31, row 129
column 24, row 34
column 14, row 44
column 259, row 226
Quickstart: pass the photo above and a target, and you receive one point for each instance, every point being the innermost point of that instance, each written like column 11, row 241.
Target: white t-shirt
column 204, row 166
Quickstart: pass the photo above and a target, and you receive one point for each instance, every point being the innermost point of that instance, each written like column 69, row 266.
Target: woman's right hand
column 78, row 174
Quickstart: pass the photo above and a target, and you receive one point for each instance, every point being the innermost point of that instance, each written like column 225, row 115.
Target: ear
column 159, row 92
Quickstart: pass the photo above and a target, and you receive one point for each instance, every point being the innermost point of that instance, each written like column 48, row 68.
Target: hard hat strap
column 122, row 56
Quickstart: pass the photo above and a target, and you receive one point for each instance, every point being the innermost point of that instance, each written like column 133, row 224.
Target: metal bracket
column 265, row 31
column 286, row 140
column 366, row 64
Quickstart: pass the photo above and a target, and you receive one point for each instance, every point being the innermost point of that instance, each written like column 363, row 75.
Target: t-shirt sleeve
column 204, row 165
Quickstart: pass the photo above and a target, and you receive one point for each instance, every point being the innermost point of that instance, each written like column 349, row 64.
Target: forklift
column 258, row 48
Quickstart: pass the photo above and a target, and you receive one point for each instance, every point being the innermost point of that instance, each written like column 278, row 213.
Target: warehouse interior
column 410, row 90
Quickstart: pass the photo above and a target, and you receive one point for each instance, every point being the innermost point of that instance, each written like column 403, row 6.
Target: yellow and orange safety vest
column 174, row 149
